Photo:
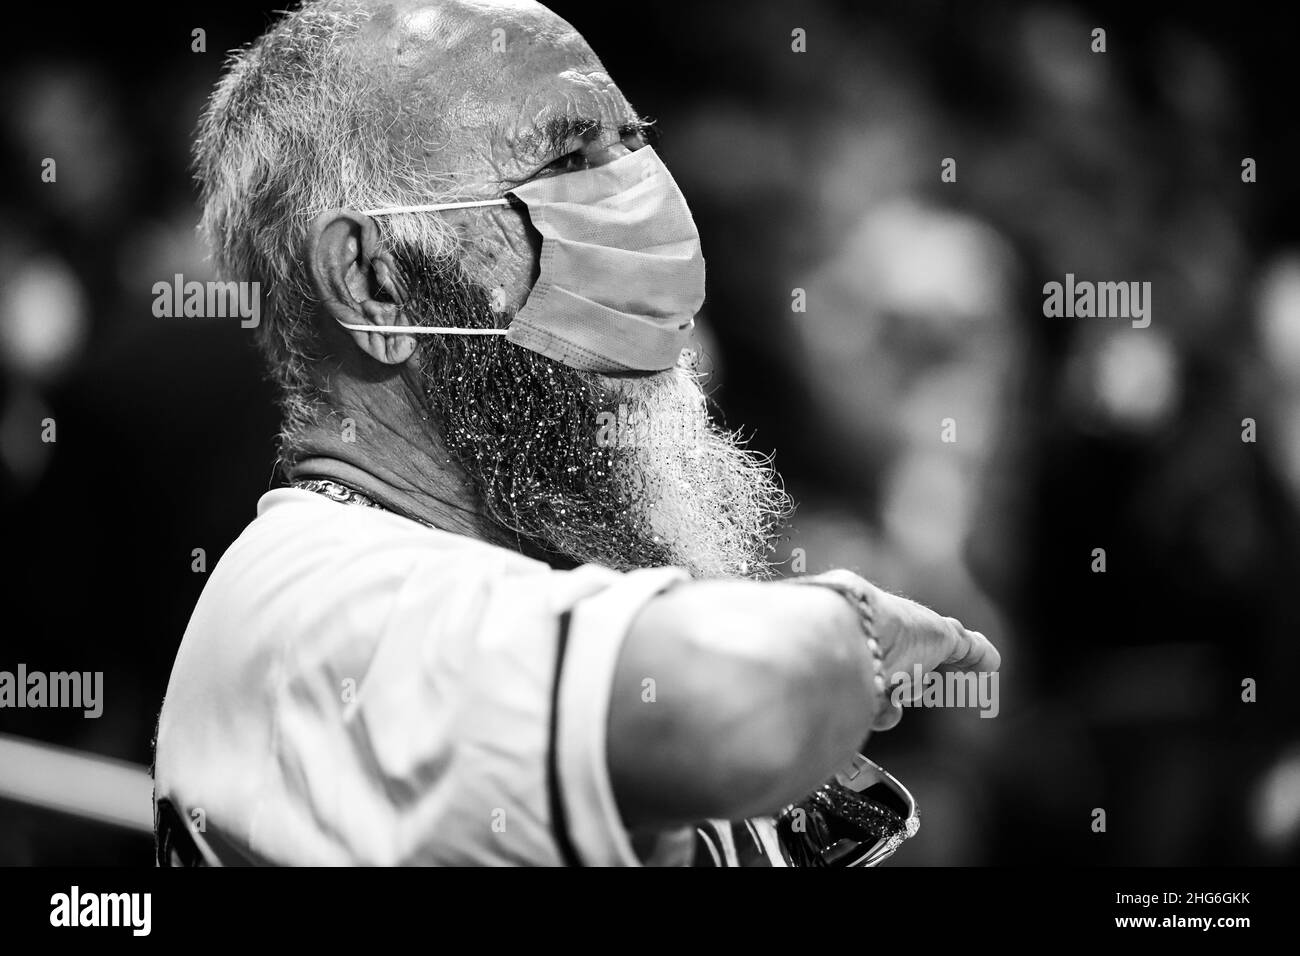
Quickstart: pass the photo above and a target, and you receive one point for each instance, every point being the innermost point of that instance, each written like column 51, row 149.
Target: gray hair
column 299, row 124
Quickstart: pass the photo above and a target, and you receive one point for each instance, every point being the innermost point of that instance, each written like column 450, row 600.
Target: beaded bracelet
column 867, row 620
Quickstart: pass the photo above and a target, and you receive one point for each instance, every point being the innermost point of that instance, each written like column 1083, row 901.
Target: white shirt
column 356, row 688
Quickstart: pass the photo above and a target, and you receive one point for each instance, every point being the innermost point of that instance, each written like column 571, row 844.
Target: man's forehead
column 465, row 39
column 452, row 22
column 509, row 64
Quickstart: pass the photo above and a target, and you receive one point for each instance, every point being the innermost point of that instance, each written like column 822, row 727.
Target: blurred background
column 922, row 302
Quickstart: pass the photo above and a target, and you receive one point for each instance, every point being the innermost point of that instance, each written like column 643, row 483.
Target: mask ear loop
column 392, row 210
column 417, row 329
column 425, row 329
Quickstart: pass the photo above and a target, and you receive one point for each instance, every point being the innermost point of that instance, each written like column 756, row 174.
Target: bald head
column 497, row 60
column 501, row 82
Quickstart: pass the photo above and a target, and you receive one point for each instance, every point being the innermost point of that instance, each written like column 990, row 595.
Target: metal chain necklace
column 344, row 495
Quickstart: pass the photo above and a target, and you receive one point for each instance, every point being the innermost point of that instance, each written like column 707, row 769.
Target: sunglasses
column 860, row 817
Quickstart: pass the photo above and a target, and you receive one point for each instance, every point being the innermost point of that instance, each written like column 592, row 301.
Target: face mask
column 621, row 276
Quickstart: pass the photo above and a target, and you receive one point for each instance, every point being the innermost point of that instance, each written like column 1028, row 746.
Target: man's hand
column 910, row 634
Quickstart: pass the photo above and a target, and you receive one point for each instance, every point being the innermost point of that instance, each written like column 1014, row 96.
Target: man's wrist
column 862, row 597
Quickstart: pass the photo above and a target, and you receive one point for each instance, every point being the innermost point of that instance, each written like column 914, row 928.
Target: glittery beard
column 522, row 427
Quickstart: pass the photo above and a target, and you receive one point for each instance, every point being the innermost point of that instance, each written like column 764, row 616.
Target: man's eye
column 642, row 135
column 569, row 162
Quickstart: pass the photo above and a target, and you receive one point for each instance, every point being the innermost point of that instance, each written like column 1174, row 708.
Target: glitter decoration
column 841, row 826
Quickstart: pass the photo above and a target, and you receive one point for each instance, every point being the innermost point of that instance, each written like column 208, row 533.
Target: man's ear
column 356, row 283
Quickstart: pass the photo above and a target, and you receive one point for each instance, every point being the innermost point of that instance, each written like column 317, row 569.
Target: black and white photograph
column 737, row 433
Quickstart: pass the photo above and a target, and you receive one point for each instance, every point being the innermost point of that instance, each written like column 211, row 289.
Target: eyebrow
column 553, row 136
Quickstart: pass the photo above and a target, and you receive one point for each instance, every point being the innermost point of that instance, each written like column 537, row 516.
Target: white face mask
column 622, row 273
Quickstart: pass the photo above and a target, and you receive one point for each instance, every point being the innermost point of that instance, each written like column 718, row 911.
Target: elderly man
column 510, row 609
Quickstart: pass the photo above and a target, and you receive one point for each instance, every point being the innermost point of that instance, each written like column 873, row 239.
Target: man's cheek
column 503, row 259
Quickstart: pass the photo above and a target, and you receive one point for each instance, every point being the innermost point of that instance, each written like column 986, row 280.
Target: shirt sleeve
column 584, row 814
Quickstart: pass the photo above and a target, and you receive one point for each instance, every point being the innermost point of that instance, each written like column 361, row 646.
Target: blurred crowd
column 878, row 328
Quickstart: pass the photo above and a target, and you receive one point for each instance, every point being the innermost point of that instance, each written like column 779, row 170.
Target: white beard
column 712, row 503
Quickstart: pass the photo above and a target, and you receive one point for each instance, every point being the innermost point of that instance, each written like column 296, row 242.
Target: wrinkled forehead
column 509, row 73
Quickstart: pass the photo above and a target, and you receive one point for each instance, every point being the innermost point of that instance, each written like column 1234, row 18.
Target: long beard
column 626, row 472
